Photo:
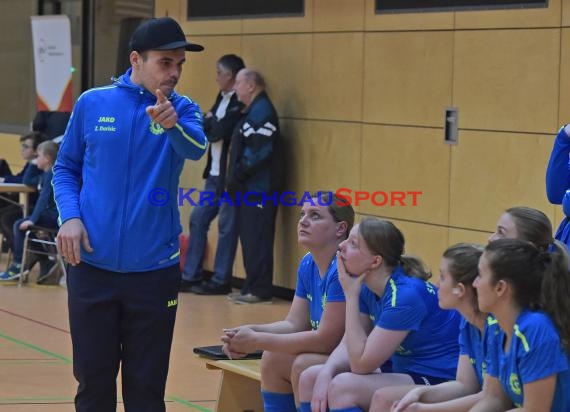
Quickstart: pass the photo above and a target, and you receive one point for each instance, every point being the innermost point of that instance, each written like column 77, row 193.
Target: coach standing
column 125, row 142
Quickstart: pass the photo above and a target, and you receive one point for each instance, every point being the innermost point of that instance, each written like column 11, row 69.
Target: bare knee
column 275, row 372
column 381, row 400
column 307, row 382
column 301, row 362
column 342, row 389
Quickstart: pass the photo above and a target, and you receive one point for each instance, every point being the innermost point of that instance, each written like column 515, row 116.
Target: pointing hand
column 162, row 112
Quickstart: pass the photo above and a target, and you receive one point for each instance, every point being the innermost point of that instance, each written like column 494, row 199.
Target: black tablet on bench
column 215, row 352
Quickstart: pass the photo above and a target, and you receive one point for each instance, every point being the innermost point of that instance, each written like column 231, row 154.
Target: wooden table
column 24, row 192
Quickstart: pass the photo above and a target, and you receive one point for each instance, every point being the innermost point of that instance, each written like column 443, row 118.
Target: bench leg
column 238, row 393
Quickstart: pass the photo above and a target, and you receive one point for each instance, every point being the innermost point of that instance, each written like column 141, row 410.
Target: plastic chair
column 41, row 241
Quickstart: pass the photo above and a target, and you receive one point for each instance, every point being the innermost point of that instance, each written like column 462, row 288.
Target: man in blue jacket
column 252, row 176
column 115, row 184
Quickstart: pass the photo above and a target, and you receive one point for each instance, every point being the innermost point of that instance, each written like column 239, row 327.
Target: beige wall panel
column 303, row 24
column 338, row 15
column 284, row 60
column 468, row 236
column 297, row 134
column 510, row 18
column 333, row 151
column 405, row 21
column 336, row 77
column 198, row 79
column 287, row 252
column 565, row 13
column 492, row 171
column 557, row 218
column 191, row 178
column 169, row 8
column 424, row 241
column 564, row 106
column 10, row 144
column 406, row 159
column 407, row 77
column 507, row 79
column 200, row 27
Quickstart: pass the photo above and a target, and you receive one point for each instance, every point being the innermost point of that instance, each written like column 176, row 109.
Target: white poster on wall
column 51, row 37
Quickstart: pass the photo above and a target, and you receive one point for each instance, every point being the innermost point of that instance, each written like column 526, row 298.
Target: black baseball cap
column 162, row 33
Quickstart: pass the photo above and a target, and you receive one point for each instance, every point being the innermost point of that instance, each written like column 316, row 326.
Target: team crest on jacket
column 515, row 384
column 156, row 128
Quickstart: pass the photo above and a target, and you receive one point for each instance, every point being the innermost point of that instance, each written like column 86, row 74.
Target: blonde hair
column 49, row 148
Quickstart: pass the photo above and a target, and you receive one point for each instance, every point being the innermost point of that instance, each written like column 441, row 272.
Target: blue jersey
column 411, row 304
column 471, row 344
column 535, row 353
column 318, row 291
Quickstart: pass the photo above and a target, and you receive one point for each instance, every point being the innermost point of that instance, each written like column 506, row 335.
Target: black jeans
column 256, row 226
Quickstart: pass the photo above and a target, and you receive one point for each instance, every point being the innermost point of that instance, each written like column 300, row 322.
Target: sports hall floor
column 36, row 357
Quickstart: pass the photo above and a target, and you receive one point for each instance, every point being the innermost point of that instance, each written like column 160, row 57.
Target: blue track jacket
column 118, row 172
column 558, row 182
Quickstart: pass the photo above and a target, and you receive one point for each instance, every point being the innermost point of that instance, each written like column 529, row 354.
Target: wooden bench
column 240, row 387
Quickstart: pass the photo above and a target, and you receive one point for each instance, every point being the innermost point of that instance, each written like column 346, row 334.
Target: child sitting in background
column 44, row 214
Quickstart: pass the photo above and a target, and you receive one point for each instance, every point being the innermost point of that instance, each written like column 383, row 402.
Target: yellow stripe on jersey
column 394, row 291
column 522, row 338
column 189, row 138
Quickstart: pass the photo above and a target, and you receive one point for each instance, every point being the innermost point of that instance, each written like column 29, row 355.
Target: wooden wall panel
column 198, row 79
column 406, row 21
column 285, row 62
column 338, row 15
column 424, row 241
column 297, row 135
column 406, row 159
column 507, row 79
column 564, row 87
column 332, row 152
column 336, row 85
column 303, row 24
column 202, row 27
column 468, row 236
column 10, row 144
column 170, row 8
column 493, row 171
column 565, row 13
column 407, row 77
column 511, row 18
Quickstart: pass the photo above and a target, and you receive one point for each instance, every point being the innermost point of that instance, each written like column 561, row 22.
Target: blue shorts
column 426, row 380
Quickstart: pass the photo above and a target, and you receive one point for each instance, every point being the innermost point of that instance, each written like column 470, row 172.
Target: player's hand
column 162, row 112
column 71, row 236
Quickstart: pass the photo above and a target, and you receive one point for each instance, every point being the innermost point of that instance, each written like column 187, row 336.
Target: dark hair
column 532, row 225
column 463, row 265
column 383, row 238
column 231, row 62
column 36, row 137
column 339, row 210
column 540, row 279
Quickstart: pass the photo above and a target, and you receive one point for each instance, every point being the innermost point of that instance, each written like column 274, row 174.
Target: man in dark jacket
column 218, row 124
column 251, row 179
column 10, row 210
